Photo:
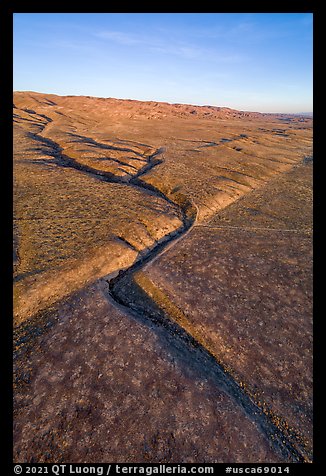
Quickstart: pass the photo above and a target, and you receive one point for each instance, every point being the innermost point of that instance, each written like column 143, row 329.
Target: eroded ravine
column 125, row 291
column 188, row 213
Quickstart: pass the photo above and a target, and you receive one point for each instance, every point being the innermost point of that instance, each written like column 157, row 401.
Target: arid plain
column 162, row 282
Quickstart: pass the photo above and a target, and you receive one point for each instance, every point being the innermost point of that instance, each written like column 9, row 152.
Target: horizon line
column 167, row 102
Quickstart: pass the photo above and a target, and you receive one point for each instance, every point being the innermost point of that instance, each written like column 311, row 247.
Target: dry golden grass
column 210, row 157
column 98, row 183
column 241, row 285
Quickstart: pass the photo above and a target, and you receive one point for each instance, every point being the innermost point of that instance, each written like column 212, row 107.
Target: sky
column 249, row 61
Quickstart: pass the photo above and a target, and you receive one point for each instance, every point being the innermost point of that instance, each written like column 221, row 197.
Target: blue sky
column 255, row 62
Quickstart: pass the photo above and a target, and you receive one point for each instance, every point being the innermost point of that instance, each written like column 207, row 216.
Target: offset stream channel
column 141, row 307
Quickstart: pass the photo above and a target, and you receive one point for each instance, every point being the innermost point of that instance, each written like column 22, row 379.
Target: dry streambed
column 244, row 294
column 157, row 189
column 73, row 228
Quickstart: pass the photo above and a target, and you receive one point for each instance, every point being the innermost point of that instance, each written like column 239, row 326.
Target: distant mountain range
column 153, row 109
column 309, row 114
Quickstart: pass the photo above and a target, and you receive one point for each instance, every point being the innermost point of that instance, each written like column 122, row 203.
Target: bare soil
column 201, row 350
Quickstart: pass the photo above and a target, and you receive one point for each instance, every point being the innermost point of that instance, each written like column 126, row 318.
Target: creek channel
column 134, row 303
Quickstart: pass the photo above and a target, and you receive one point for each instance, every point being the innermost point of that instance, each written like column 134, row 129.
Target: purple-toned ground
column 209, row 359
